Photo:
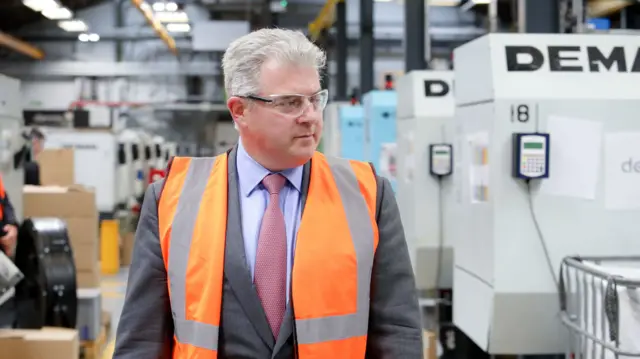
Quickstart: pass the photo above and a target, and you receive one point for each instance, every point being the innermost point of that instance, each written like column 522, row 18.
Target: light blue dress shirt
column 253, row 203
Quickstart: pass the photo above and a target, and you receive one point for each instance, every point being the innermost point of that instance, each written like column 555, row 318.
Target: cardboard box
column 46, row 343
column 126, row 254
column 59, row 201
column 89, row 278
column 430, row 345
column 76, row 205
column 106, row 321
column 57, row 167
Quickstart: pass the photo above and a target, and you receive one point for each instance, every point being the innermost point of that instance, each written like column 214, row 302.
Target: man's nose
column 308, row 114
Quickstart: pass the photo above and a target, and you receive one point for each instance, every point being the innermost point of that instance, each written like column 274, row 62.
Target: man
column 8, row 243
column 8, row 223
column 31, row 168
column 213, row 274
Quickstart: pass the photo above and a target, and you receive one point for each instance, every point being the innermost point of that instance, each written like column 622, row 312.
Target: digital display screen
column 533, row 145
column 441, row 152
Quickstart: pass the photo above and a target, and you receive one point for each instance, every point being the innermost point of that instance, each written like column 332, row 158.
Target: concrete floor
column 113, row 291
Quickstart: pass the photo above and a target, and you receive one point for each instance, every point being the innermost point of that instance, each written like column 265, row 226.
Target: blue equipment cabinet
column 352, row 132
column 380, row 128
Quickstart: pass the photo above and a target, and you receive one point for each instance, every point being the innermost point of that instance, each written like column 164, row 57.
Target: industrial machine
column 331, row 129
column 147, row 158
column 131, row 174
column 424, row 191
column 425, row 161
column 380, row 131
column 226, row 136
column 169, row 150
column 344, row 131
column 158, row 158
column 47, row 296
column 95, row 161
column 128, row 166
column 546, row 152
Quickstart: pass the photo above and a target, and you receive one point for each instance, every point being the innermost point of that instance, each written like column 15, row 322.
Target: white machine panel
column 226, row 137
column 95, row 156
column 425, row 118
column 331, row 129
column 426, row 94
column 10, row 99
column 11, row 140
column 582, row 66
column 581, row 90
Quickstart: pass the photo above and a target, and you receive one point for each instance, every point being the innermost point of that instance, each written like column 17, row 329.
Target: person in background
column 212, row 273
column 31, row 167
column 8, row 243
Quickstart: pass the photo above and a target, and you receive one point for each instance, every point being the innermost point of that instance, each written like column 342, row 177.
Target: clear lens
column 297, row 104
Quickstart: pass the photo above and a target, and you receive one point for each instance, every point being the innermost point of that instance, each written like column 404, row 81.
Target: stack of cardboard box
column 77, row 207
column 50, row 343
column 126, row 249
column 59, row 197
column 430, row 345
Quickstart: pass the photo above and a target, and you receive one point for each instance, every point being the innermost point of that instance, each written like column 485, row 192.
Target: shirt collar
column 253, row 172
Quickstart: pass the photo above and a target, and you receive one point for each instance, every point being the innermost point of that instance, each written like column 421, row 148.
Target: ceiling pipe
column 20, row 46
column 324, row 20
column 601, row 8
column 157, row 26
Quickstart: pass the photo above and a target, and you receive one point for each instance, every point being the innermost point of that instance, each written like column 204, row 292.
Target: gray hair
column 243, row 59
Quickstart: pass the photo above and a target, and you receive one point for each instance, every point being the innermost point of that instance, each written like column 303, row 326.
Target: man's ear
column 237, row 109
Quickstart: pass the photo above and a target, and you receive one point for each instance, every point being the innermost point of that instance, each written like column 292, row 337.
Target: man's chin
column 302, row 155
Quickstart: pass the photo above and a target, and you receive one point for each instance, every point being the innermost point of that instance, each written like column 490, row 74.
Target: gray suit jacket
column 145, row 330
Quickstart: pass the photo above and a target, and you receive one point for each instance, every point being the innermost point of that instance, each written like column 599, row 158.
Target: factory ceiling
column 14, row 14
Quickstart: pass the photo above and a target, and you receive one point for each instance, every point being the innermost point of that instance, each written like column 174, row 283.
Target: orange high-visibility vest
column 3, row 195
column 335, row 247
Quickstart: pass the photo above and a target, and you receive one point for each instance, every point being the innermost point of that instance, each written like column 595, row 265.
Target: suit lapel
column 235, row 263
column 288, row 324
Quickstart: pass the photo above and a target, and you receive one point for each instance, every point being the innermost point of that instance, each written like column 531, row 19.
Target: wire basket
column 592, row 294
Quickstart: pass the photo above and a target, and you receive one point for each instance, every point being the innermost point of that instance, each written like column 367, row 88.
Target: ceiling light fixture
column 171, row 6
column 178, row 27
column 89, row 37
column 73, row 25
column 61, row 13
column 158, row 6
column 173, row 17
column 40, row 5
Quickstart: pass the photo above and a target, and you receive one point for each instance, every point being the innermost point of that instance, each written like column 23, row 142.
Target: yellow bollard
column 109, row 246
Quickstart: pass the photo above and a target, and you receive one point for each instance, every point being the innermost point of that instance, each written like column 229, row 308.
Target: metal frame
column 585, row 276
column 57, row 69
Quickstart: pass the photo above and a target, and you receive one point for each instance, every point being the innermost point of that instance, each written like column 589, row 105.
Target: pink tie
column 271, row 259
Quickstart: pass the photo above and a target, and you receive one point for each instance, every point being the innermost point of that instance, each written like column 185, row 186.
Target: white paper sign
column 478, row 147
column 574, row 157
column 388, row 161
column 622, row 171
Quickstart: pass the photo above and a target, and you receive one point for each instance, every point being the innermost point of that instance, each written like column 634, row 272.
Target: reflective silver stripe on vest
column 188, row 331
column 318, row 330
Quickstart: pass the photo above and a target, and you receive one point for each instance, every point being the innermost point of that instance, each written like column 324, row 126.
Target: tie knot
column 274, row 183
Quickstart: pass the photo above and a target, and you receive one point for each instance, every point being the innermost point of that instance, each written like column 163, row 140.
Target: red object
column 156, row 174
column 354, row 100
column 82, row 103
column 388, row 85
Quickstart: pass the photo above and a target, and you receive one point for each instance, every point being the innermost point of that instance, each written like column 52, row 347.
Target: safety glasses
column 294, row 105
